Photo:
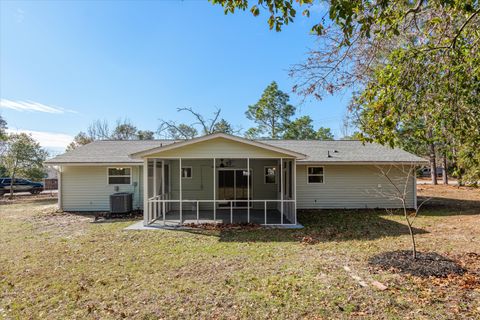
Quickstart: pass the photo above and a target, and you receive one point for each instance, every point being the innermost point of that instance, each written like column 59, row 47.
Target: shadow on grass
column 438, row 206
column 320, row 226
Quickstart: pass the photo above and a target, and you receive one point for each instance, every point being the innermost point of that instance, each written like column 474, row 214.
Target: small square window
column 270, row 175
column 119, row 175
column 186, row 172
column 315, row 175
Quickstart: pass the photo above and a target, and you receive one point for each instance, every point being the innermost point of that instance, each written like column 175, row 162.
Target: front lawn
column 62, row 266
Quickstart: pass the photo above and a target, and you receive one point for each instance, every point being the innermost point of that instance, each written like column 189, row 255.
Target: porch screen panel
column 241, row 186
column 167, row 178
column 226, row 185
column 290, row 179
column 150, row 178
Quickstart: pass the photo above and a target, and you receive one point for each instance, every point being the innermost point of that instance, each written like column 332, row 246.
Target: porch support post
column 145, row 192
column 281, row 190
column 163, row 192
column 163, row 177
column 154, row 177
column 155, row 204
column 214, row 190
column 180, row 187
column 248, row 190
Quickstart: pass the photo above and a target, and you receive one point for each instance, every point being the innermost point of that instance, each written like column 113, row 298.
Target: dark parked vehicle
column 20, row 185
column 426, row 172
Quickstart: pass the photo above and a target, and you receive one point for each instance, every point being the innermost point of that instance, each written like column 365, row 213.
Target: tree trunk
column 414, row 245
column 11, row 185
column 433, row 164
column 410, row 230
column 444, row 169
column 273, row 129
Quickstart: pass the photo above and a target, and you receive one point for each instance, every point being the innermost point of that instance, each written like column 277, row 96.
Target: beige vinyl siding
column 349, row 186
column 219, row 148
column 199, row 187
column 86, row 188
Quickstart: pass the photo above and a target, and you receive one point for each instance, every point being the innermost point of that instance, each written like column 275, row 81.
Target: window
column 270, row 175
column 315, row 175
column 187, row 172
column 119, row 175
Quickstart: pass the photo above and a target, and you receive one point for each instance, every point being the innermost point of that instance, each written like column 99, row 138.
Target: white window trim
column 316, row 175
column 120, row 184
column 265, row 175
column 191, row 172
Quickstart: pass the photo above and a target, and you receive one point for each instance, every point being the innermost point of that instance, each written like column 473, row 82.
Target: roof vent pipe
column 328, row 154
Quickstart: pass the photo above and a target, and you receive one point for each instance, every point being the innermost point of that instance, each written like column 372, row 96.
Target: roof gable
column 219, row 145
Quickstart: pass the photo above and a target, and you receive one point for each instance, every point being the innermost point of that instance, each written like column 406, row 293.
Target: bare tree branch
column 401, row 194
column 454, row 41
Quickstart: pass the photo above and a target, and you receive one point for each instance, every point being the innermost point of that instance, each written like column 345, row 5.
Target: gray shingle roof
column 107, row 151
column 316, row 151
column 346, row 151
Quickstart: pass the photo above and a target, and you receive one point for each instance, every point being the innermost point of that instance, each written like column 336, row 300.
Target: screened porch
column 181, row 191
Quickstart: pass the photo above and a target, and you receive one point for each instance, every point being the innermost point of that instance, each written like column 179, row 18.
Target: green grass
column 58, row 266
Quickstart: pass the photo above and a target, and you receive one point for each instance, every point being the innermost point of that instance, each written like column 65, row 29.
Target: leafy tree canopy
column 100, row 130
column 223, row 126
column 431, row 98
column 324, row 134
column 413, row 66
column 79, row 140
column 3, row 129
column 23, row 157
column 302, row 129
column 181, row 131
column 365, row 19
column 271, row 113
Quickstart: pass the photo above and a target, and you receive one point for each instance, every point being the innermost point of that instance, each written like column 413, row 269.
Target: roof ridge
column 115, row 140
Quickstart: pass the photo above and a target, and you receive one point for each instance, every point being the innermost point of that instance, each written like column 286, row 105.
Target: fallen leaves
column 308, row 240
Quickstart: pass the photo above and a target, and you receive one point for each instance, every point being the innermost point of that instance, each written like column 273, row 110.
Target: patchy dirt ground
column 449, row 194
column 61, row 266
column 27, row 197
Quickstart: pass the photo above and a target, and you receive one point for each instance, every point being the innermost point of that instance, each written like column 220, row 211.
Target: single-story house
column 225, row 178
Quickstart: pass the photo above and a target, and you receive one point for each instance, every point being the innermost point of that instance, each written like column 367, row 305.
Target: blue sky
column 65, row 64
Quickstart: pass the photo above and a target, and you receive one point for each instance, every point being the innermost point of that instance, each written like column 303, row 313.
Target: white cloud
column 19, row 15
column 49, row 140
column 31, row 106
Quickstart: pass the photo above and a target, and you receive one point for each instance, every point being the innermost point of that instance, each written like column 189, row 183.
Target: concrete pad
column 139, row 226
